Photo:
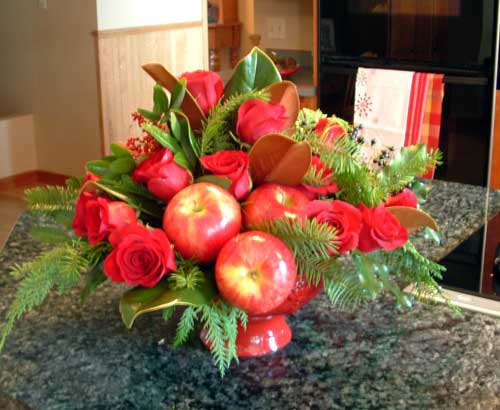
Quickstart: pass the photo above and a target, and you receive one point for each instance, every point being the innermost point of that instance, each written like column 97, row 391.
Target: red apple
column 270, row 202
column 255, row 271
column 200, row 219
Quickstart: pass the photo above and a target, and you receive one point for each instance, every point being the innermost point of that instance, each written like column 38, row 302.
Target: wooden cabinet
column 225, row 33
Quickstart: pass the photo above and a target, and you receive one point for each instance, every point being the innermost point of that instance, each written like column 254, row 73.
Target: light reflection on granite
column 65, row 356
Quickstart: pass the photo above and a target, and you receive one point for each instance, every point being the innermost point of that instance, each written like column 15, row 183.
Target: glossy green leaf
column 149, row 115
column 123, row 165
column 180, row 159
column 95, row 278
column 254, row 72
column 164, row 138
column 178, row 93
column 181, row 130
column 138, row 301
column 160, row 100
column 219, row 181
column 120, row 151
column 194, row 142
column 140, row 203
column 98, row 167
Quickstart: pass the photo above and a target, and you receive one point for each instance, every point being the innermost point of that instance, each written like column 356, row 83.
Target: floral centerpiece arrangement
column 234, row 208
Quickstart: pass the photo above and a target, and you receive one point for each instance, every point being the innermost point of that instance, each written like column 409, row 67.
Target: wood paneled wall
column 124, row 85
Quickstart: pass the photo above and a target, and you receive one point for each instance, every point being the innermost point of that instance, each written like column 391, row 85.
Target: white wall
column 17, row 139
column 115, row 14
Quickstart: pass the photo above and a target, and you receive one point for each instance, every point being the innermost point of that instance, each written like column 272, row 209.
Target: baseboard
column 32, row 177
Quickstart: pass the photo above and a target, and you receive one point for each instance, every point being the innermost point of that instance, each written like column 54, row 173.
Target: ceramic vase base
column 263, row 335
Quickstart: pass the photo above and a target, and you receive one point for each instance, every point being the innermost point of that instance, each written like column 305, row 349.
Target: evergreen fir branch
column 305, row 239
column 185, row 326
column 50, row 199
column 49, row 234
column 167, row 313
column 315, row 178
column 216, row 131
column 58, row 268
column 410, row 162
column 344, row 291
column 340, row 155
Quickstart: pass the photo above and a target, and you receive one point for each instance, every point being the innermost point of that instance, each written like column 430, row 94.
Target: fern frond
column 50, row 199
column 344, row 292
column 185, row 325
column 216, row 134
column 58, row 268
column 167, row 313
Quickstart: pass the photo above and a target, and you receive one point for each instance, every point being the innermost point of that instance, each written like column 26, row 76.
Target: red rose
column 325, row 173
column 232, row 165
column 257, row 118
column 140, row 256
column 162, row 175
column 380, row 229
column 89, row 176
column 331, row 127
column 206, row 87
column 339, row 214
column 405, row 198
column 97, row 217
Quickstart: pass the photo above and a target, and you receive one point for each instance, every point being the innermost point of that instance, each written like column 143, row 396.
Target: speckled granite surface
column 65, row 356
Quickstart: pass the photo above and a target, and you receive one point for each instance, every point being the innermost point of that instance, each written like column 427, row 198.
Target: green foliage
column 134, row 194
column 58, row 268
column 167, row 313
column 94, row 278
column 188, row 275
column 51, row 199
column 311, row 244
column 219, row 320
column 113, row 166
column 254, row 72
column 216, row 135
column 410, row 162
column 342, row 288
column 50, row 234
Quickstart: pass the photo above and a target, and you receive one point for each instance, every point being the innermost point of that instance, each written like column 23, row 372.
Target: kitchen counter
column 68, row 356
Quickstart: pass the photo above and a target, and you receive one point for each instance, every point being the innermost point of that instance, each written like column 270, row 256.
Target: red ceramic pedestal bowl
column 270, row 332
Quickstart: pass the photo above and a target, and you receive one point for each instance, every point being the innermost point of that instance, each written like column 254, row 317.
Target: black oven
column 453, row 37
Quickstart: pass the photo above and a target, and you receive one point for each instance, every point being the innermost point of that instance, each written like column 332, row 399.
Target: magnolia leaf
column 223, row 182
column 285, row 93
column 254, row 72
column 277, row 158
column 169, row 81
column 94, row 279
column 412, row 218
column 138, row 301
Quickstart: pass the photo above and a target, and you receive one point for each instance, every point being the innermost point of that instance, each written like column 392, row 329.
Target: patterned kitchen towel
column 431, row 125
column 381, row 104
column 416, row 108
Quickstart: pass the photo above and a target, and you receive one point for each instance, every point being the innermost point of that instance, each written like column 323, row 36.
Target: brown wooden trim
column 145, row 29
column 315, row 44
column 32, row 177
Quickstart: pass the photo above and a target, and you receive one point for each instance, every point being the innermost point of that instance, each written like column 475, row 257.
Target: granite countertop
column 65, row 356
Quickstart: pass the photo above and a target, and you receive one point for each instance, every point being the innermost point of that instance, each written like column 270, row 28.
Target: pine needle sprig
column 51, row 199
column 220, row 321
column 410, row 162
column 59, row 268
column 216, row 131
column 344, row 291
